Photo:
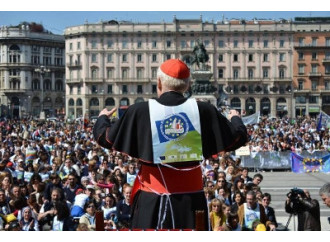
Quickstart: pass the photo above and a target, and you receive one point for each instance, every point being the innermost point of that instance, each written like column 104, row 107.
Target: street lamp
column 42, row 70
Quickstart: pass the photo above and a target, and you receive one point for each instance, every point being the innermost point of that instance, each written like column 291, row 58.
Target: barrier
column 273, row 160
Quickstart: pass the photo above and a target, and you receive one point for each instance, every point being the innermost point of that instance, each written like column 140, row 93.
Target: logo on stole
column 174, row 127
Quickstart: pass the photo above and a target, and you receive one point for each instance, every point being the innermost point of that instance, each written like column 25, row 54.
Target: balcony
column 315, row 74
column 326, row 60
column 76, row 65
column 94, row 80
column 74, row 80
column 13, row 91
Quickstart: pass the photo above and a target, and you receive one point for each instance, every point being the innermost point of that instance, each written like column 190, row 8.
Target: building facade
column 115, row 63
column 32, row 71
column 311, row 70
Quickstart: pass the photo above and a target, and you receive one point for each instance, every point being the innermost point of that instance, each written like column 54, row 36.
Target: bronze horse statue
column 200, row 55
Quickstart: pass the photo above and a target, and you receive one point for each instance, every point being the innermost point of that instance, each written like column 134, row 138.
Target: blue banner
column 301, row 164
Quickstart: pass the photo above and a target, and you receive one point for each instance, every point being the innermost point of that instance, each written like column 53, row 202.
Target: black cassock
column 131, row 134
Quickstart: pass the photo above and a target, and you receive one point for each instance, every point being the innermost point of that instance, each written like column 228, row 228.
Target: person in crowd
column 307, row 209
column 28, row 221
column 218, row 134
column 217, row 217
column 62, row 220
column 233, row 224
column 325, row 194
column 250, row 211
column 71, row 188
column 124, row 208
column 270, row 212
column 238, row 201
column 89, row 217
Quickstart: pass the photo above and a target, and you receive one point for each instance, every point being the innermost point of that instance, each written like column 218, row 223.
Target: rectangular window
column 250, row 57
column 250, row 43
column 124, row 44
column 265, row 43
column 154, row 58
column 327, row 69
column 265, row 73
column 300, row 85
column 206, row 43
column 110, row 44
column 154, row 73
column 139, row 89
column 192, row 43
column 266, row 57
column 124, row 73
column 124, row 89
column 93, row 44
column 235, row 57
column 314, row 56
column 124, row 58
column 314, row 68
column 281, row 43
column 139, row 58
column 301, row 42
column 313, row 99
column 327, row 85
column 220, row 43
column 139, row 73
column 70, row 46
column 327, row 42
column 94, row 58
column 314, row 85
column 109, row 58
column 282, row 56
column 281, row 73
column 314, row 41
column 235, row 43
column 109, row 89
column 220, row 73
column 235, row 73
column 168, row 43
column 154, row 44
column 110, row 73
column 154, row 88
column 301, row 56
column 139, row 44
column 301, row 69
column 78, row 46
column 183, row 44
column 220, row 58
column 250, row 73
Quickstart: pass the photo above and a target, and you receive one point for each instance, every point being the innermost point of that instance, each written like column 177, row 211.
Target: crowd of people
column 54, row 176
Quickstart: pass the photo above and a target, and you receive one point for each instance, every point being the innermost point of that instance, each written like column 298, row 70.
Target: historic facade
column 253, row 62
column 311, row 70
column 32, row 70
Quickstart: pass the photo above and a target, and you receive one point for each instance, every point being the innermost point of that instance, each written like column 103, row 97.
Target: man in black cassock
column 168, row 189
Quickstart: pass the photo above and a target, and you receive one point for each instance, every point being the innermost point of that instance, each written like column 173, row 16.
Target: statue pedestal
column 201, row 88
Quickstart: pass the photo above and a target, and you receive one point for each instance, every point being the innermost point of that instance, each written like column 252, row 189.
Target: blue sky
column 57, row 21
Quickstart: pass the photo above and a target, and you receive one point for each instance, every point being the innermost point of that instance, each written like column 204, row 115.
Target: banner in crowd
column 323, row 121
column 275, row 159
column 302, row 164
column 251, row 119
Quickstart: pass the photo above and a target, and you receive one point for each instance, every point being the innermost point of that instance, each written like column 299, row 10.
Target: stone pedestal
column 201, row 88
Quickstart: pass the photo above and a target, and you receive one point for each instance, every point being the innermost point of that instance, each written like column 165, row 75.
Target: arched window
column 58, row 85
column 235, row 103
column 139, row 100
column 94, row 102
column 35, row 84
column 79, row 102
column 71, row 102
column 250, row 105
column 124, row 102
column 265, row 106
column 110, row 102
column 47, row 85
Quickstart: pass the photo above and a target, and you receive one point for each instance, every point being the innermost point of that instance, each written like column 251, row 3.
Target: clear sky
column 57, row 15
